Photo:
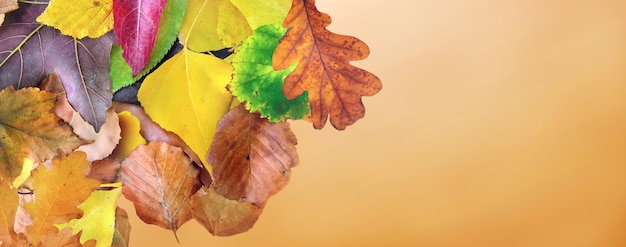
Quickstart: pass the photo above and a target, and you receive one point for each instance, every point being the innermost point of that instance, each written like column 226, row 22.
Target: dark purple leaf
column 136, row 25
column 29, row 51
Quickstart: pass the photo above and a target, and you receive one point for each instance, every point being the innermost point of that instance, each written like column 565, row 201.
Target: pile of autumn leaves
column 190, row 150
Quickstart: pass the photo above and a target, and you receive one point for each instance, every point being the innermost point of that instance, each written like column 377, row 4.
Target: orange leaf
column 221, row 216
column 58, row 190
column 64, row 238
column 8, row 207
column 28, row 129
column 251, row 157
column 159, row 179
column 335, row 87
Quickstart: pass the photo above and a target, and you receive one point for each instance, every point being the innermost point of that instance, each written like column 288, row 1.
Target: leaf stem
column 31, row 2
column 19, row 46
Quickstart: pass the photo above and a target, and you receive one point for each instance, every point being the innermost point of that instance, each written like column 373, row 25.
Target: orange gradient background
column 501, row 123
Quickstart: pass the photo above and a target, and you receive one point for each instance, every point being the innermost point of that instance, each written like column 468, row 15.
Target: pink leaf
column 136, row 23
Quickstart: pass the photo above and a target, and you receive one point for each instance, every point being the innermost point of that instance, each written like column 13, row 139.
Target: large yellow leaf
column 98, row 221
column 187, row 95
column 259, row 13
column 79, row 18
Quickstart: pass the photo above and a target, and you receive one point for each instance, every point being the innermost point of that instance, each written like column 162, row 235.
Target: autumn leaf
column 57, row 204
column 64, row 238
column 232, row 26
column 169, row 24
column 105, row 170
column 136, row 25
column 150, row 131
column 7, row 6
column 251, row 157
column 8, row 207
column 199, row 29
column 98, row 221
column 131, row 138
column 258, row 84
column 30, row 51
column 335, row 87
column 222, row 216
column 187, row 95
column 159, row 179
column 79, row 18
column 121, row 237
column 260, row 13
column 28, row 129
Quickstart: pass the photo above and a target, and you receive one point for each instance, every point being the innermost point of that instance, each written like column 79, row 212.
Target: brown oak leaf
column 159, row 179
column 57, row 191
column 28, row 129
column 222, row 216
column 251, row 157
column 335, row 87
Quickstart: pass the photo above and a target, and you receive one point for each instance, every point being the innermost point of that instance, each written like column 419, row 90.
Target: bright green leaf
column 98, row 221
column 258, row 84
column 187, row 95
column 79, row 18
column 171, row 20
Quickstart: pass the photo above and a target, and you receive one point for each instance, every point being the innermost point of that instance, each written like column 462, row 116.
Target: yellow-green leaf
column 98, row 221
column 259, row 13
column 199, row 29
column 187, row 95
column 79, row 18
column 232, row 26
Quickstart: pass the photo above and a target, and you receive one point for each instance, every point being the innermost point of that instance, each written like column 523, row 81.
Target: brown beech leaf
column 6, row 6
column 251, row 157
column 159, row 179
column 334, row 86
column 8, row 207
column 104, row 141
column 64, row 238
column 105, row 170
column 28, row 129
column 222, row 216
column 121, row 236
column 58, row 190
column 152, row 132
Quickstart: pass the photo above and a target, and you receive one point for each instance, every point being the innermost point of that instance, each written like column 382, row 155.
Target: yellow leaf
column 131, row 138
column 27, row 167
column 79, row 18
column 259, row 13
column 232, row 26
column 187, row 95
column 98, row 221
column 199, row 29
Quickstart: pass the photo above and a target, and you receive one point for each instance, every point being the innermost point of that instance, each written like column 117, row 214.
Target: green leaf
column 171, row 20
column 258, row 84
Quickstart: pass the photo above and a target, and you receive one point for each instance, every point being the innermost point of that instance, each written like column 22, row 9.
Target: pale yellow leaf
column 259, row 13
column 232, row 26
column 98, row 221
column 199, row 29
column 187, row 95
column 79, row 18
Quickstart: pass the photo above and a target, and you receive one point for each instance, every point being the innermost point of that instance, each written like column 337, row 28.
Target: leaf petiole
column 21, row 44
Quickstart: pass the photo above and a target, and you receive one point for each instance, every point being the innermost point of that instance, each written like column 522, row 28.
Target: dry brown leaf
column 58, row 190
column 159, row 179
column 334, row 86
column 251, row 157
column 105, row 170
column 102, row 142
column 7, row 6
column 28, row 129
column 152, row 132
column 222, row 216
column 121, row 237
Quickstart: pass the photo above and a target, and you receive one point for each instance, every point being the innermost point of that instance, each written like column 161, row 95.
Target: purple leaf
column 135, row 26
column 29, row 51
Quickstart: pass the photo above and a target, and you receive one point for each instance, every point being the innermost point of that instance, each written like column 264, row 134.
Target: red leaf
column 135, row 25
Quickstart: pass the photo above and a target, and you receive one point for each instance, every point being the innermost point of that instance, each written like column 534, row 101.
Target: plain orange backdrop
column 501, row 123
